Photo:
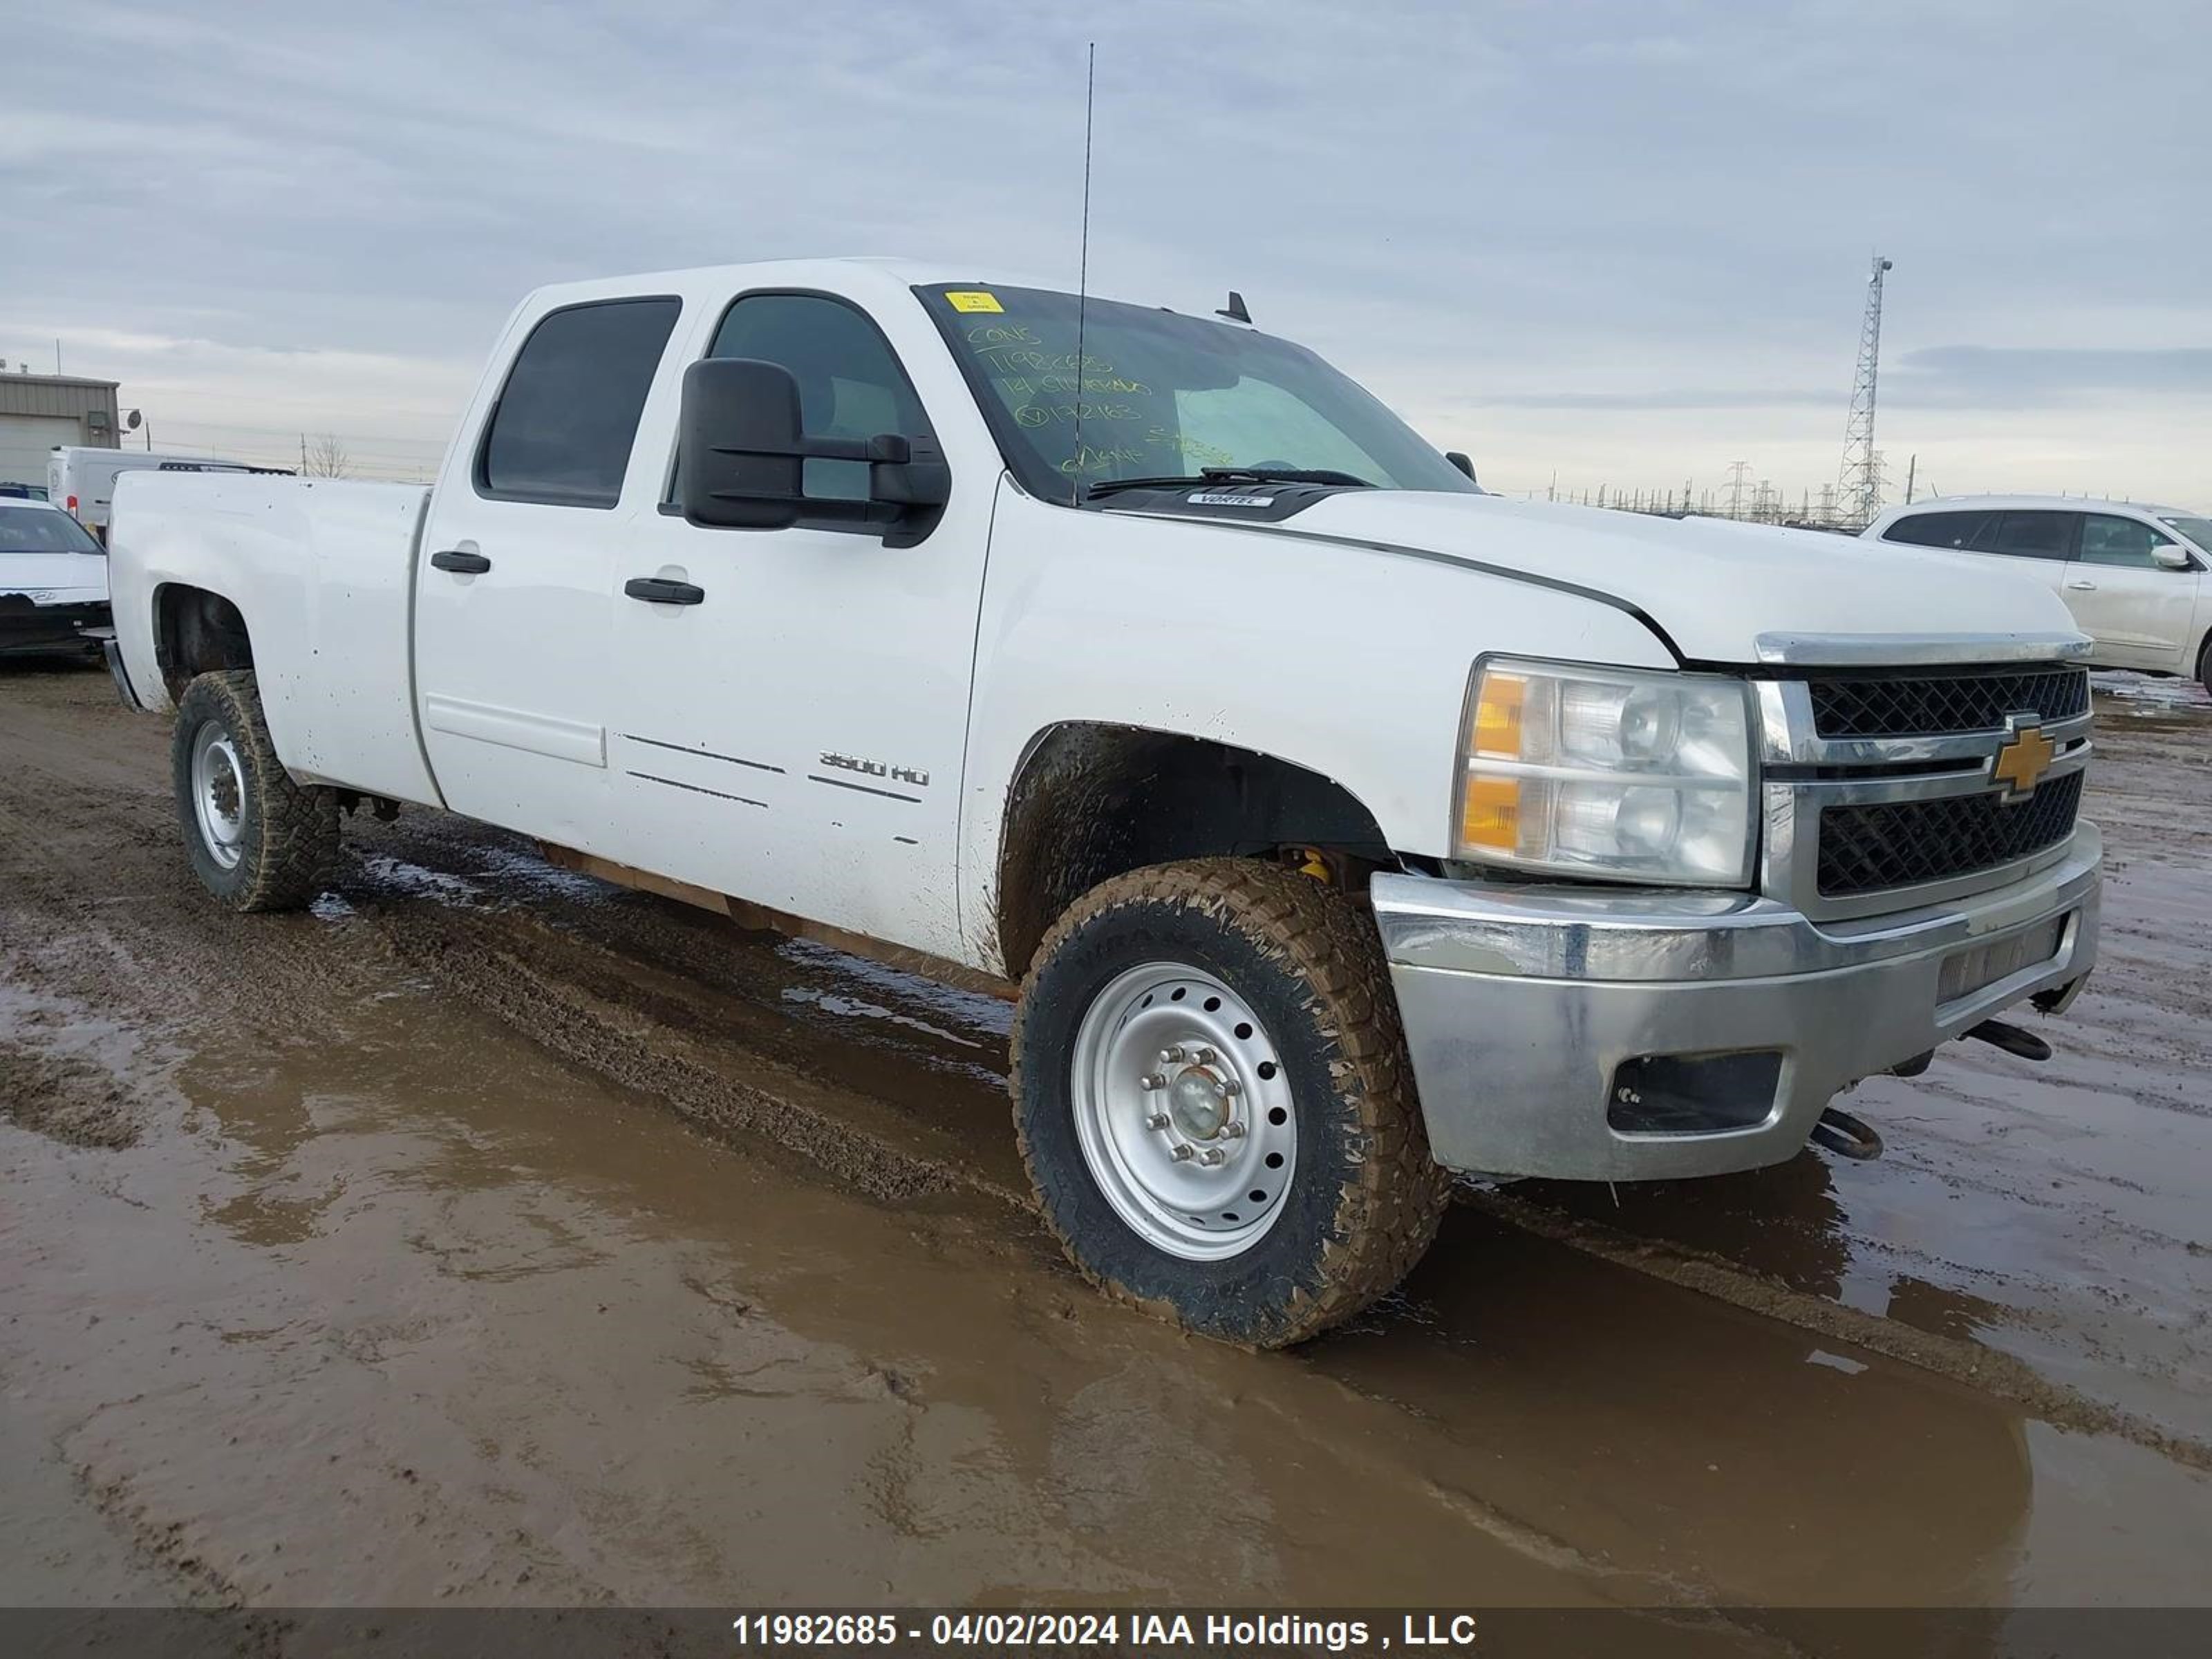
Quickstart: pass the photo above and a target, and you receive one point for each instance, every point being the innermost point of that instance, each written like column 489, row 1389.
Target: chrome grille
column 1880, row 792
column 1868, row 848
column 1927, row 705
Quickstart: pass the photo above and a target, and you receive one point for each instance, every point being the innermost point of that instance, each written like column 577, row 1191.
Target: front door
column 516, row 572
column 2138, row 611
column 791, row 705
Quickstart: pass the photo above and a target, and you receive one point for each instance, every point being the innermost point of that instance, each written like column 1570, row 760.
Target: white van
column 83, row 480
column 2134, row 576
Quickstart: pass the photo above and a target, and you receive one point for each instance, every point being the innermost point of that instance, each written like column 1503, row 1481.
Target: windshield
column 42, row 530
column 2188, row 524
column 1165, row 396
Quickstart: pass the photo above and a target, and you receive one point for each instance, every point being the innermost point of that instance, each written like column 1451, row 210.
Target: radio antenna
column 1082, row 272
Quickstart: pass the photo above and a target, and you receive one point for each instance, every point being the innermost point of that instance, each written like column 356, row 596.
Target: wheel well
column 195, row 632
column 1092, row 801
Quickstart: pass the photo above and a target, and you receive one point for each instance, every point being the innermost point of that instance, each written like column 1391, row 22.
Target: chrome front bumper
column 1522, row 1005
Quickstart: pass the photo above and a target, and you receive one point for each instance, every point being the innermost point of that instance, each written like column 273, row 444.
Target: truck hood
column 1713, row 585
column 55, row 578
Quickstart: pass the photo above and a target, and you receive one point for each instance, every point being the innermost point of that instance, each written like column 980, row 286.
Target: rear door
column 515, row 573
column 2139, row 611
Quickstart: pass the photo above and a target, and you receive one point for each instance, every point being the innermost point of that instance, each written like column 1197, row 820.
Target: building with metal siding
column 38, row 412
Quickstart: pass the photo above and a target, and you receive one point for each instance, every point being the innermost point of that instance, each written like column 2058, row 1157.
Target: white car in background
column 2133, row 576
column 53, row 582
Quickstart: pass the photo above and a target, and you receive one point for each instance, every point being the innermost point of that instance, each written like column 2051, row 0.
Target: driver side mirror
column 2169, row 556
column 741, row 453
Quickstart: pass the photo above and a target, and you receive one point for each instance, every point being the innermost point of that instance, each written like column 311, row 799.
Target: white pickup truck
column 1340, row 825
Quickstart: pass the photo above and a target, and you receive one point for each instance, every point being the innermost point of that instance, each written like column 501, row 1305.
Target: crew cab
column 1337, row 826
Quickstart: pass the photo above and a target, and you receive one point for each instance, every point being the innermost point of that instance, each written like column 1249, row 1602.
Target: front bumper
column 1522, row 1005
column 31, row 630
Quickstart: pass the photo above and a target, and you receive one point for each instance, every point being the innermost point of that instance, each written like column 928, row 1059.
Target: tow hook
column 1846, row 1135
column 2010, row 1038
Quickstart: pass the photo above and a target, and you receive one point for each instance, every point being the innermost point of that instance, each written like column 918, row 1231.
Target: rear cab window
column 562, row 429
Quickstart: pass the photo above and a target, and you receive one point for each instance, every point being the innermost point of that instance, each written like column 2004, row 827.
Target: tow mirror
column 742, row 454
column 2170, row 557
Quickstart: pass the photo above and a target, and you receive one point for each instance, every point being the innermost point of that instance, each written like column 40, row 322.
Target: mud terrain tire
column 272, row 841
column 1364, row 1197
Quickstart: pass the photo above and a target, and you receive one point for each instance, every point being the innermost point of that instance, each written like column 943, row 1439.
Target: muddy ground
column 492, row 1236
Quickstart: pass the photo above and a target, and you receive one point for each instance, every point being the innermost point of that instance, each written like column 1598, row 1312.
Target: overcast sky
column 1624, row 244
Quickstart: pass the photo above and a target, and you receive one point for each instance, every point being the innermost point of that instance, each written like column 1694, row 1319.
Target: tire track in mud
column 586, row 1007
column 610, row 1001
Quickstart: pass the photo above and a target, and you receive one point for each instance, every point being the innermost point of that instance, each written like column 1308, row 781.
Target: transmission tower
column 1860, row 484
column 1739, row 472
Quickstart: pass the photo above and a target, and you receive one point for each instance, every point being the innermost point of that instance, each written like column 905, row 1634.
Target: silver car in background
column 2138, row 578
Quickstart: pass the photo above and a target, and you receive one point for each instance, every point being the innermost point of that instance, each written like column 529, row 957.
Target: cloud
column 1610, row 236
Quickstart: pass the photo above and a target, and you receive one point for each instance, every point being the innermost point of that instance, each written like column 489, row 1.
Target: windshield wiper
column 1312, row 475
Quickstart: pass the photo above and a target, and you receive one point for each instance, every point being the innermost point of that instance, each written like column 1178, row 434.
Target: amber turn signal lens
column 1497, row 706
column 1490, row 813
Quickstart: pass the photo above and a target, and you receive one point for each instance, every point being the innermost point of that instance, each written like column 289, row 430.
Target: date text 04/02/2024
column 1245, row 1632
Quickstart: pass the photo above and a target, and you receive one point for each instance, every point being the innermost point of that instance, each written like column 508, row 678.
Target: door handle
column 2083, row 587
column 460, row 563
column 657, row 590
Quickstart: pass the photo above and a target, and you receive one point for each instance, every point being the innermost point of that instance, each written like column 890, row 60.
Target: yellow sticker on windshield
column 972, row 300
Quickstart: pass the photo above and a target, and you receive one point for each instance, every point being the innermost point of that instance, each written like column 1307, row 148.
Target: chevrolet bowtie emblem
column 2022, row 759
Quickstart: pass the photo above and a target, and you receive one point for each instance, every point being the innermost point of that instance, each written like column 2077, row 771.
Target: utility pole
column 1912, row 467
column 1859, row 484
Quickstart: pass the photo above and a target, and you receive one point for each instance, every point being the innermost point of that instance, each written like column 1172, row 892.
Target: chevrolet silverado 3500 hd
column 1341, row 825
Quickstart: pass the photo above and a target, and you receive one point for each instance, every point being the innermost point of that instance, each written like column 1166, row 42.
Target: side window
column 1954, row 530
column 2033, row 535
column 2108, row 540
column 562, row 431
column 850, row 384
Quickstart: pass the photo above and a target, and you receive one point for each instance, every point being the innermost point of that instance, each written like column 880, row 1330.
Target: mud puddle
column 410, row 1287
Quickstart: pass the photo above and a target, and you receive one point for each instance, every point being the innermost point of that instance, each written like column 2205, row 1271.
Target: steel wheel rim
column 219, row 795
column 1170, row 1041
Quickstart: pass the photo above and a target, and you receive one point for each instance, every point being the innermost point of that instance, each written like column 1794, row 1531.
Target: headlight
column 1608, row 773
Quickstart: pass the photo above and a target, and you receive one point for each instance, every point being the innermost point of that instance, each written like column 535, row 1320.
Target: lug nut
column 1181, row 1153
column 1232, row 1088
column 1206, row 1056
column 1211, row 1155
column 1152, row 1080
column 1156, row 1121
column 1234, row 1129
column 1171, row 1057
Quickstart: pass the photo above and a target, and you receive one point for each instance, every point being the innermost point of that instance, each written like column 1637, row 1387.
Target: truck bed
column 323, row 571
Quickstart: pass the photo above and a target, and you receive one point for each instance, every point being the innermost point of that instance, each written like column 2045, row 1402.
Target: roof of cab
column 870, row 270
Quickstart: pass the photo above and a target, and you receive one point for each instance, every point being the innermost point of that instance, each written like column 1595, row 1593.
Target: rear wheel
column 2204, row 664
column 1213, row 1097
column 256, row 839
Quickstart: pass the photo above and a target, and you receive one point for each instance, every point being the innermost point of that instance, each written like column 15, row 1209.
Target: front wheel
column 256, row 839
column 1215, row 1103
